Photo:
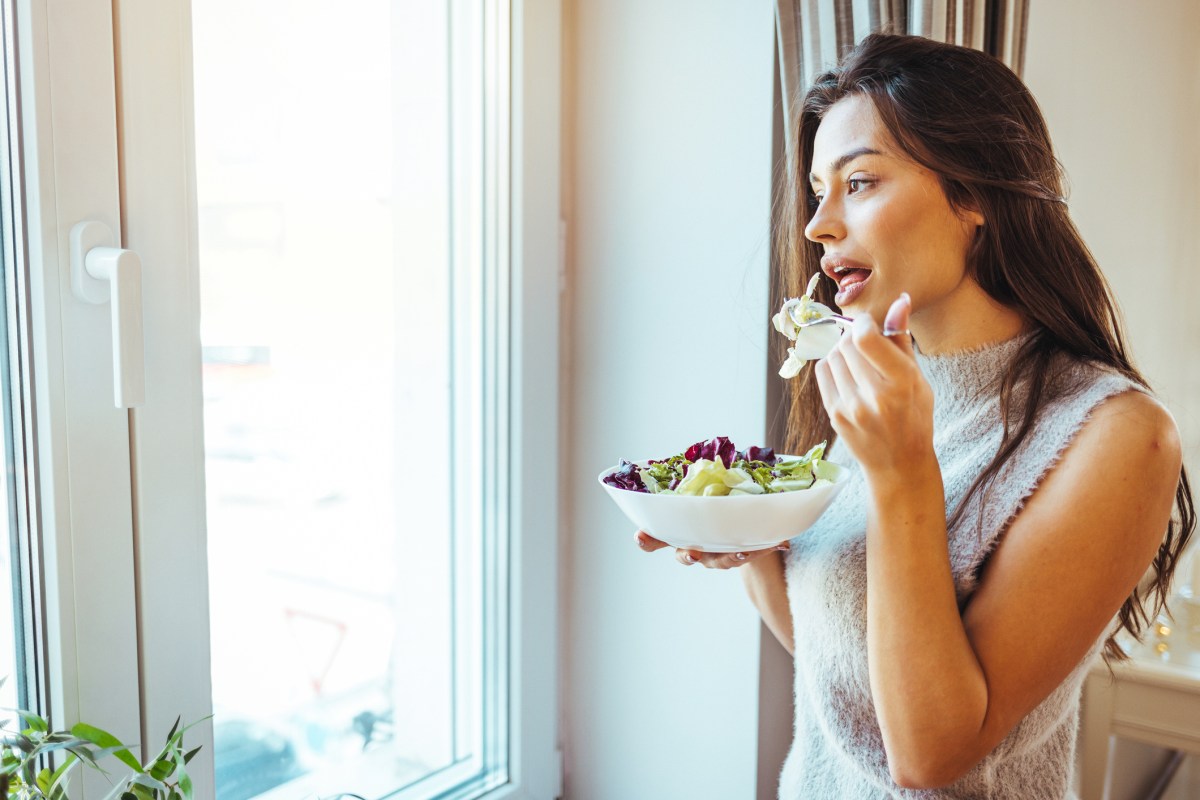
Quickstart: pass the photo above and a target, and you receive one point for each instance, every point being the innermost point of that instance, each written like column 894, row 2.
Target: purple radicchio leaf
column 726, row 450
column 755, row 453
column 626, row 477
column 719, row 446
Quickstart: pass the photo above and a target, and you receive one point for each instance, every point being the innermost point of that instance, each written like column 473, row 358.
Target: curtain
column 813, row 34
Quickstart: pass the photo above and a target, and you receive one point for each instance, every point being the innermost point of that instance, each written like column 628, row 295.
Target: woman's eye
column 856, row 185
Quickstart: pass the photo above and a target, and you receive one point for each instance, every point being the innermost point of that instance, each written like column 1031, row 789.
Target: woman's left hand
column 687, row 557
column 878, row 401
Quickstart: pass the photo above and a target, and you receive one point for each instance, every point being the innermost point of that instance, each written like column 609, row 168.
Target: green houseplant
column 25, row 773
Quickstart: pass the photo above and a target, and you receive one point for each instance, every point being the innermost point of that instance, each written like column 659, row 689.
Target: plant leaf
column 68, row 764
column 92, row 757
column 120, row 789
column 105, row 739
column 140, row 791
column 59, row 736
column 185, row 784
column 66, row 744
column 146, row 782
column 188, row 756
column 58, row 781
column 33, row 721
column 162, row 768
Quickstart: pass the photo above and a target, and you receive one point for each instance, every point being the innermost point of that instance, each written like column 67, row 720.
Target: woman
column 1012, row 479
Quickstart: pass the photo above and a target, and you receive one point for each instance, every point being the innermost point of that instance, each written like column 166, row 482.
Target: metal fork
column 829, row 320
column 840, row 319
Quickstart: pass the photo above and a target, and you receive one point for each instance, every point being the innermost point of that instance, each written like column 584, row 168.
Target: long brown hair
column 967, row 118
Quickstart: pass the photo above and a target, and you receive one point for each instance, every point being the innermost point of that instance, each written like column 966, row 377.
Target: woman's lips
column 851, row 276
column 851, row 285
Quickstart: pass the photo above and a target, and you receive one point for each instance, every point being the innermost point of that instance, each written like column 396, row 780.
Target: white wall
column 668, row 205
column 1119, row 83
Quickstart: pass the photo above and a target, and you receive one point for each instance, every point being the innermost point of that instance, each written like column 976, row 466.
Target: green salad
column 716, row 468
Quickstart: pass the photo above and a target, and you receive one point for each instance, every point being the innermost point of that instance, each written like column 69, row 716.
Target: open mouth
column 851, row 280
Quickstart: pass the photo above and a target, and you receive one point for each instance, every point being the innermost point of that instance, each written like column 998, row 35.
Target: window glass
column 352, row 382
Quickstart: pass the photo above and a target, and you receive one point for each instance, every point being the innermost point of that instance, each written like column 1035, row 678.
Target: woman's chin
column 862, row 306
column 855, row 305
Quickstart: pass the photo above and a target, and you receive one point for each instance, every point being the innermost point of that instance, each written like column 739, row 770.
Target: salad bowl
column 727, row 524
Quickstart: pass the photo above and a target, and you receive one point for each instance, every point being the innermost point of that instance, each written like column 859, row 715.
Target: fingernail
column 904, row 296
column 784, row 546
column 687, row 557
column 739, row 556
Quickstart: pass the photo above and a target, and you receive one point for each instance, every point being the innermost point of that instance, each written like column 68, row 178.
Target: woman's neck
column 967, row 319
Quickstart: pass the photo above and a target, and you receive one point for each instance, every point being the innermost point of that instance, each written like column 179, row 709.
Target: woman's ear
column 967, row 209
column 970, row 213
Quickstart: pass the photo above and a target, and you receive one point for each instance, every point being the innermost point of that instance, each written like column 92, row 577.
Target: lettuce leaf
column 702, row 471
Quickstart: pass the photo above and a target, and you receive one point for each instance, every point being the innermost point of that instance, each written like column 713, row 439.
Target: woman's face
column 884, row 221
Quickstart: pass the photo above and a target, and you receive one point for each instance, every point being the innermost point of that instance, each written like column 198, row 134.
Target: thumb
column 648, row 542
column 895, row 323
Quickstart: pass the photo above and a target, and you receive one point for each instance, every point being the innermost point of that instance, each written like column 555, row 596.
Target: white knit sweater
column 838, row 750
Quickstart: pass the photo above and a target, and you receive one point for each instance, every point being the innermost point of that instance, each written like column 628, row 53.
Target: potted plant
column 26, row 773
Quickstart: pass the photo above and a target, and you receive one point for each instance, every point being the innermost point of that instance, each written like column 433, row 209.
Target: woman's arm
column 948, row 687
column 1049, row 591
column 767, row 587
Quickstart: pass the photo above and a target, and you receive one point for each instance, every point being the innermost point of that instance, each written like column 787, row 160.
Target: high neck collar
column 965, row 377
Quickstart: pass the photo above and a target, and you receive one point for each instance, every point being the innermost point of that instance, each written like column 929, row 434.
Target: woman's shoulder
column 1080, row 386
column 1091, row 413
column 1107, row 433
column 1132, row 420
column 1108, row 414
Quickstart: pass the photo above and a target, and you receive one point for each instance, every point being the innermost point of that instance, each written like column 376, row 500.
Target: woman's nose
column 826, row 224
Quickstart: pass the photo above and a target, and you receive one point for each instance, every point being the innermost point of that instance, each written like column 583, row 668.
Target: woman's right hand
column 688, row 557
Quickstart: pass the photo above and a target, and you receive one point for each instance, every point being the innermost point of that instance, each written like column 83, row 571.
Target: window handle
column 102, row 273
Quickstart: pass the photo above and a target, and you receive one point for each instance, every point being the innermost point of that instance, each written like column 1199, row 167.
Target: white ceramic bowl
column 725, row 524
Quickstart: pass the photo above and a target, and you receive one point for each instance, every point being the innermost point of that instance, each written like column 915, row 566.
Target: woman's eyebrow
column 845, row 159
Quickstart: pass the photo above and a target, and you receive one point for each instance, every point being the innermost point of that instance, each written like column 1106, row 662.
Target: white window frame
column 155, row 111
column 82, row 513
column 106, row 129
column 537, row 280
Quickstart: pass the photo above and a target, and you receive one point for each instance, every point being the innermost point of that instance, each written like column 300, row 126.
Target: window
column 350, row 320
column 351, row 178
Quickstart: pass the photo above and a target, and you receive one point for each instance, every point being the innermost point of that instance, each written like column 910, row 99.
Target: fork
column 831, row 319
column 843, row 320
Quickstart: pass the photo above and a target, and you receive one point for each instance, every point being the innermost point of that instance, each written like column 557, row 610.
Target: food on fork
column 812, row 342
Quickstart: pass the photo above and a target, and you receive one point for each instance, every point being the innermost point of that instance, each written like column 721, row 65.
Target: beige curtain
column 813, row 34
